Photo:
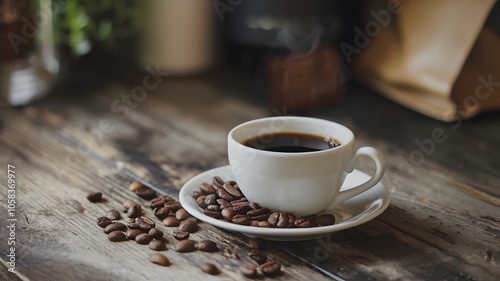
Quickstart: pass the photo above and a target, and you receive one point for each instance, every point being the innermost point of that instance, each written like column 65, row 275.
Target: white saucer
column 350, row 213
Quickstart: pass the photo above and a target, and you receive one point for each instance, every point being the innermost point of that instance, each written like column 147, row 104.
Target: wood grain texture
column 442, row 222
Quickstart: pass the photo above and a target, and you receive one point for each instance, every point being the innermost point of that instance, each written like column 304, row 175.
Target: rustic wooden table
column 443, row 222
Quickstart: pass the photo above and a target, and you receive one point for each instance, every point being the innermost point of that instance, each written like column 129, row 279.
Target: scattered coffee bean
column 254, row 223
column 157, row 245
column 256, row 206
column 114, row 227
column 218, row 181
column 173, row 206
column 249, row 271
column 132, row 233
column 143, row 239
column 113, row 214
column 207, row 188
column 257, row 244
column 258, row 212
column 142, row 223
column 258, row 256
column 291, row 220
column 171, row 221
column 241, row 207
column 210, row 268
column 146, row 193
column 184, row 246
column 127, row 204
column 94, row 197
column 273, row 218
column 326, row 219
column 135, row 186
column 213, row 208
column 270, row 269
column 264, row 224
column 211, row 199
column 207, row 246
column 117, row 236
column 182, row 214
column 161, row 212
column 189, row 226
column 223, row 203
column 302, row 223
column 180, row 234
column 155, row 233
column 134, row 211
column 103, row 222
column 159, row 259
column 230, row 253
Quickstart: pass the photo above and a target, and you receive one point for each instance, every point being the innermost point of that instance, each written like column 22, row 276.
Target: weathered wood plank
column 57, row 237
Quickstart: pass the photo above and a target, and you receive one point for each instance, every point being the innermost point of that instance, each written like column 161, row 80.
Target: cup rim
column 343, row 145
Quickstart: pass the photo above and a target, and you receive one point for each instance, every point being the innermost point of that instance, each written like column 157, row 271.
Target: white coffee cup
column 301, row 183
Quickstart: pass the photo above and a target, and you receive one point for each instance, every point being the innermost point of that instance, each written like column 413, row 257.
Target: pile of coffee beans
column 224, row 200
column 138, row 227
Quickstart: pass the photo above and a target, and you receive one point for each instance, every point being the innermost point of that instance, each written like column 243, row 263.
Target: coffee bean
column 291, row 220
column 257, row 243
column 134, row 211
column 270, row 269
column 241, row 207
column 157, row 245
column 223, row 203
column 282, row 220
column 262, row 217
column 143, row 223
column 201, row 201
column 132, row 233
column 146, row 193
column 197, row 194
column 143, row 239
column 182, row 214
column 249, row 271
column 189, row 226
column 228, row 214
column 258, row 256
column 94, row 197
column 218, row 181
column 326, row 219
column 207, row 188
column 161, row 212
column 230, row 253
column 180, row 234
column 159, row 259
column 213, row 214
column 113, row 214
column 258, row 212
column 214, row 208
column 103, row 222
column 185, row 246
column 210, row 268
column 117, row 236
column 207, row 246
column 155, row 233
column 274, row 218
column 311, row 217
column 171, row 221
column 302, row 223
column 313, row 223
column 115, row 226
column 231, row 190
column 135, row 186
column 254, row 223
column 211, row 199
column 127, row 204
column 264, row 224
column 173, row 206
column 222, row 193
column 241, row 219
column 158, row 202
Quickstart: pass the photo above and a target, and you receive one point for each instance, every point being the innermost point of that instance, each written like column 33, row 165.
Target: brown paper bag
column 436, row 57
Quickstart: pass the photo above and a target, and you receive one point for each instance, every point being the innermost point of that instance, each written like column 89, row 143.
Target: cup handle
column 379, row 160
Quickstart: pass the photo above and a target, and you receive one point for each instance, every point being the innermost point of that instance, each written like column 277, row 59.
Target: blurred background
column 429, row 57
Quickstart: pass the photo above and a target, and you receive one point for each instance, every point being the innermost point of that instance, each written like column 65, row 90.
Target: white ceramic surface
column 350, row 213
column 300, row 183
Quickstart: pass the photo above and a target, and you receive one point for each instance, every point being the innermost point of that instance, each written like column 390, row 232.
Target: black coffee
column 291, row 142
